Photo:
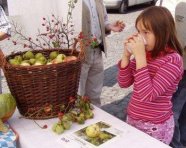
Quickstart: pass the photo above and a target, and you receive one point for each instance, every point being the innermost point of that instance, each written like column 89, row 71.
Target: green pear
column 14, row 62
column 38, row 55
column 37, row 63
column 28, row 55
column 67, row 124
column 32, row 61
column 58, row 128
column 61, row 56
column 81, row 118
column 42, row 59
column 53, row 55
column 89, row 114
column 18, row 58
column 25, row 63
column 48, row 63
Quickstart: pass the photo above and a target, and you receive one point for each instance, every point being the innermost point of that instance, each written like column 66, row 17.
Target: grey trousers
column 92, row 74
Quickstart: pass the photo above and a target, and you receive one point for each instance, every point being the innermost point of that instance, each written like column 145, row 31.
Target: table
column 31, row 136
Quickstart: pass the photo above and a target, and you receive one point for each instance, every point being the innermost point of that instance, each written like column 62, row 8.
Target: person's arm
column 150, row 88
column 125, row 77
column 118, row 26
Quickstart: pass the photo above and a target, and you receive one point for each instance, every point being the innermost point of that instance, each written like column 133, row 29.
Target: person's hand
column 118, row 26
column 136, row 46
column 3, row 36
column 126, row 55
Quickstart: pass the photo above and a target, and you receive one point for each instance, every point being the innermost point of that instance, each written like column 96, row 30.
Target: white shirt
column 95, row 25
column 4, row 23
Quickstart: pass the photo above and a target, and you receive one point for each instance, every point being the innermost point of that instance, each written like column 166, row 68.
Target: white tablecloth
column 31, row 136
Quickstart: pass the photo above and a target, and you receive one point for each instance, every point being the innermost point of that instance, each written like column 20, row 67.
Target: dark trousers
column 179, row 109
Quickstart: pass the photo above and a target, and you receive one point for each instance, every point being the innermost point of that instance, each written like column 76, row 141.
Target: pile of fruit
column 31, row 59
column 81, row 111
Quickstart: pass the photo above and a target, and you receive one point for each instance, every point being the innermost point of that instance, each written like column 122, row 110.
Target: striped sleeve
column 149, row 88
column 125, row 77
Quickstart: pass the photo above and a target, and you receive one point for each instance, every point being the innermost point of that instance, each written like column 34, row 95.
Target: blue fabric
column 182, row 122
column 8, row 140
column 179, row 109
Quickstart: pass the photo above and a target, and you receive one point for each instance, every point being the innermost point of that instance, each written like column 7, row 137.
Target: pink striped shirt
column 153, row 87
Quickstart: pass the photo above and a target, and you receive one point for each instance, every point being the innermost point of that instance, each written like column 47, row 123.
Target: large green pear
column 28, row 55
column 53, row 55
column 25, row 63
column 43, row 60
column 18, row 58
column 14, row 62
column 38, row 55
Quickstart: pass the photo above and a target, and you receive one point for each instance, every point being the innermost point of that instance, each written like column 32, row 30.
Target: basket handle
column 2, row 59
column 82, row 48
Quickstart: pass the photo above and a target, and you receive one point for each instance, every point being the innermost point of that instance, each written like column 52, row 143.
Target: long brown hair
column 160, row 21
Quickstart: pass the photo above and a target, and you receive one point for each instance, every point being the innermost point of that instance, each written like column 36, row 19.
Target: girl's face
column 148, row 36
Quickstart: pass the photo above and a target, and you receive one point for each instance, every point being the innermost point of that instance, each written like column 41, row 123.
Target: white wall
column 31, row 12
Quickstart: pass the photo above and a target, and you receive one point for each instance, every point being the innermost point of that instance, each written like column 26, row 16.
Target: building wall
column 29, row 13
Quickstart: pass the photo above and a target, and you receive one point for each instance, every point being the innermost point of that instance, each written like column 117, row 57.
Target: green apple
column 53, row 55
column 14, row 62
column 28, row 55
column 37, row 63
column 42, row 59
column 18, row 58
column 61, row 56
column 32, row 61
column 67, row 124
column 89, row 114
column 25, row 63
column 38, row 55
column 58, row 128
column 92, row 131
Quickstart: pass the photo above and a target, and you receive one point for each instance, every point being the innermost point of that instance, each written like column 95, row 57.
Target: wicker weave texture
column 35, row 86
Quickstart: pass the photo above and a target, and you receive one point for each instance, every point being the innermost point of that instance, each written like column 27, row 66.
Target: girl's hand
column 136, row 46
column 126, row 55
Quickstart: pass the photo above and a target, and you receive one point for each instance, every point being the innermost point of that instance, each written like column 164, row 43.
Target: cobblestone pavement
column 114, row 99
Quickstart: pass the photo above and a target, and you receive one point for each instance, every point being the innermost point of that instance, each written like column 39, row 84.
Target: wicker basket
column 36, row 87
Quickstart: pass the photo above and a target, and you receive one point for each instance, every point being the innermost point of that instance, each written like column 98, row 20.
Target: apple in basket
column 70, row 58
column 53, row 55
column 14, row 62
column 25, row 63
column 28, row 55
column 38, row 55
